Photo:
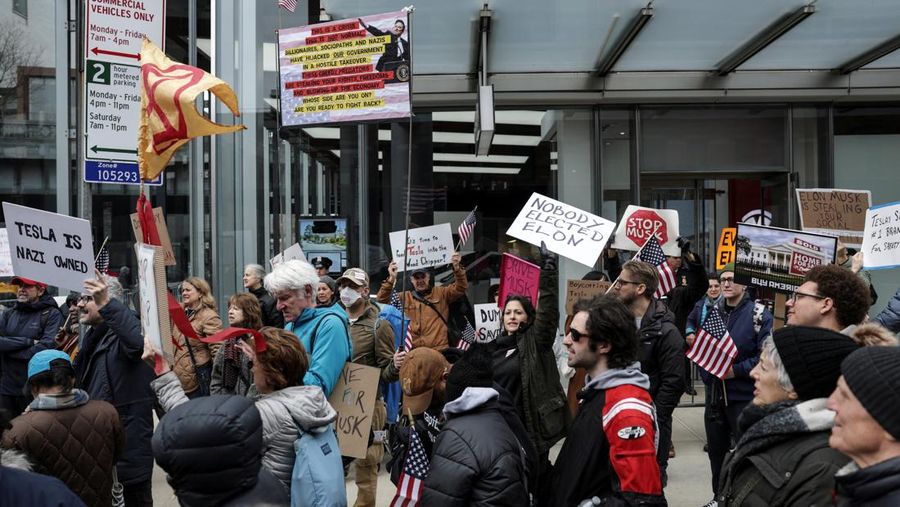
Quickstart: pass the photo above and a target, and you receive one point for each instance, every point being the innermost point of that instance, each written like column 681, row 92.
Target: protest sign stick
column 636, row 256
column 409, row 10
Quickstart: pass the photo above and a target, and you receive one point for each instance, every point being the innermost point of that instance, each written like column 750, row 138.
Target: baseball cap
column 356, row 276
column 421, row 371
column 417, row 271
column 18, row 280
column 40, row 362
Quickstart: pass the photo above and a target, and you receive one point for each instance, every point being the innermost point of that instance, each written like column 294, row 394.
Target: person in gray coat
column 284, row 405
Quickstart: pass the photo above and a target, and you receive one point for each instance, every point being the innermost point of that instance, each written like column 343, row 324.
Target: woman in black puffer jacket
column 525, row 366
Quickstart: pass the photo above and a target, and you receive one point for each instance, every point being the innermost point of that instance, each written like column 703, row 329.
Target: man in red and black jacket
column 610, row 452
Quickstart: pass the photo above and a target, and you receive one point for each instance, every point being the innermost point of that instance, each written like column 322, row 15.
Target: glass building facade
column 663, row 128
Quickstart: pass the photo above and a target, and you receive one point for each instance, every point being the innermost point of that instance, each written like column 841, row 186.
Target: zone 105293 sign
column 346, row 71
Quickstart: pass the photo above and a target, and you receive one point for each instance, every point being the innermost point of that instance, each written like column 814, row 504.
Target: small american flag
column 288, row 4
column 397, row 303
column 466, row 227
column 102, row 263
column 415, row 470
column 653, row 254
column 407, row 343
column 467, row 338
column 713, row 350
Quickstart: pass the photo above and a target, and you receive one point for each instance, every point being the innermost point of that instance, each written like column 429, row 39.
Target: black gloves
column 549, row 259
column 685, row 245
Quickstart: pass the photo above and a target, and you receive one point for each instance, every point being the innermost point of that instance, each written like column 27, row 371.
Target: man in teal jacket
column 321, row 330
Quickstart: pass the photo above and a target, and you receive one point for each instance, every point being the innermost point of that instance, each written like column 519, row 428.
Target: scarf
column 75, row 398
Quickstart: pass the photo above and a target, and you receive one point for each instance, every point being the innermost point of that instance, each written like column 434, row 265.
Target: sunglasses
column 576, row 334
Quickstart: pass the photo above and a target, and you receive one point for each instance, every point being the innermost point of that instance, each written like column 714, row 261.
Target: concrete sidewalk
column 689, row 475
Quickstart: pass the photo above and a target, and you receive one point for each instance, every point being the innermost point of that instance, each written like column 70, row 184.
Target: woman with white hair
column 322, row 330
column 253, row 282
column 783, row 457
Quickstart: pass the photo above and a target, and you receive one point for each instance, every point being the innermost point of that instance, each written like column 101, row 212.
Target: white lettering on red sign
column 806, row 244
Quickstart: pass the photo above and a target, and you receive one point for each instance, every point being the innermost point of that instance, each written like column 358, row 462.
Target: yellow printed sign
column 727, row 247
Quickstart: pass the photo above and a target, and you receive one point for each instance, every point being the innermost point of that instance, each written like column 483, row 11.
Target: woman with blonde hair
column 193, row 358
column 231, row 367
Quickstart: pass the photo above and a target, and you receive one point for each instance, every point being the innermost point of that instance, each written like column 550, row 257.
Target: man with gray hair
column 109, row 368
column 253, row 282
column 322, row 330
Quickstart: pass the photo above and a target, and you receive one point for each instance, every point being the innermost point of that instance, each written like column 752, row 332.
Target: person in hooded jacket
column 783, row 457
column 284, row 404
column 28, row 328
column 477, row 459
column 524, row 364
column 109, row 368
column 609, row 456
column 253, row 282
column 233, row 475
column 662, row 346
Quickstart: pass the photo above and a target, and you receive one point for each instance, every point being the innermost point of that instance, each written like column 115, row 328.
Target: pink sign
column 518, row 277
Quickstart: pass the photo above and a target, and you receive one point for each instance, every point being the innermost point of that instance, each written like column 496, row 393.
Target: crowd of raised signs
column 316, row 374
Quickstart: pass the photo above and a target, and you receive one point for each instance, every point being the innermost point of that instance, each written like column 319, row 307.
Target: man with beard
column 30, row 327
column 427, row 308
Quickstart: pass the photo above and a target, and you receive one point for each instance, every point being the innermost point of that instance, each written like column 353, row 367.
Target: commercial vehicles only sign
column 114, row 31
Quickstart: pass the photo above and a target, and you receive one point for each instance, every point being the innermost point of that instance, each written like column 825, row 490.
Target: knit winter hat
column 473, row 369
column 873, row 376
column 812, row 357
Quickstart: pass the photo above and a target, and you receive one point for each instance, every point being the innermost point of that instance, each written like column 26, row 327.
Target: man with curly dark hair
column 830, row 297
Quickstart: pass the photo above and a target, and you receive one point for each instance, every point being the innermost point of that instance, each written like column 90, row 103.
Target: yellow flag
column 169, row 118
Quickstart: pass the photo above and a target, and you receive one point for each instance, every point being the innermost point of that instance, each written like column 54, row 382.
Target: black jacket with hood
column 211, row 449
column 270, row 315
column 662, row 356
column 24, row 331
column 874, row 486
column 477, row 460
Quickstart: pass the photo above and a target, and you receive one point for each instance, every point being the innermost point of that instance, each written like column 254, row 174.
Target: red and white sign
column 806, row 244
column 639, row 223
column 114, row 33
column 801, row 263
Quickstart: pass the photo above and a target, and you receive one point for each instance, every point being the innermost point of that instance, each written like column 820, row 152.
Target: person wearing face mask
column 373, row 345
column 525, row 366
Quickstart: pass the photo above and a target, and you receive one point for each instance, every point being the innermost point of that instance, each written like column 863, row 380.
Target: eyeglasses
column 797, row 294
column 620, row 282
column 728, row 279
column 85, row 299
column 576, row 334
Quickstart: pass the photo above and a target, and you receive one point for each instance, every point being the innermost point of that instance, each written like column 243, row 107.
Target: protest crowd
column 320, row 377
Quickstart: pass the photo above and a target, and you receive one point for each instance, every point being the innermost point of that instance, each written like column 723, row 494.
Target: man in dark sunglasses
column 617, row 465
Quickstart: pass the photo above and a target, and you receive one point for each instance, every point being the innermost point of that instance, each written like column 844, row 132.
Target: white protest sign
column 638, row 224
column 427, row 247
column 565, row 229
column 293, row 252
column 49, row 247
column 487, row 322
column 151, row 290
column 6, row 268
column 881, row 239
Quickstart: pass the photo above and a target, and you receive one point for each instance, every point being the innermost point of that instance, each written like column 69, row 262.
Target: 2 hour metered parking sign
column 51, row 248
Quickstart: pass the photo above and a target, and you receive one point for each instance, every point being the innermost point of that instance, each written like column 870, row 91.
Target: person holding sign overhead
column 524, row 365
column 27, row 329
column 427, row 308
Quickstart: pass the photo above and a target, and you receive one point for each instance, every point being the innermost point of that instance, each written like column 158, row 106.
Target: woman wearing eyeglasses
column 525, row 366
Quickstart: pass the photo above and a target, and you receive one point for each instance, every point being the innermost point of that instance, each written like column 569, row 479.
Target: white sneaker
column 712, row 503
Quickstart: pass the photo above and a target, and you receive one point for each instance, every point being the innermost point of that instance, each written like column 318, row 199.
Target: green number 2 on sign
column 99, row 72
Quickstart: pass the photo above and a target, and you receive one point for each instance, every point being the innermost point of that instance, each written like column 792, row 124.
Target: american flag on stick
column 653, row 254
column 713, row 349
column 288, row 4
column 397, row 303
column 102, row 263
column 467, row 338
column 415, row 470
column 466, row 227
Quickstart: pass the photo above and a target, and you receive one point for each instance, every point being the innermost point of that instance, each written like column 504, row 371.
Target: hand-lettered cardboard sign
column 488, row 318
column 769, row 257
column 293, row 252
column 160, row 217
column 840, row 213
column 881, row 241
column 726, row 251
column 638, row 224
column 583, row 289
column 565, row 229
column 153, row 299
column 354, row 400
column 518, row 277
column 6, row 268
column 48, row 247
column 427, row 247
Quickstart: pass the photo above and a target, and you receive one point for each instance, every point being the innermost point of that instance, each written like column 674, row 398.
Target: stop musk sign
column 642, row 223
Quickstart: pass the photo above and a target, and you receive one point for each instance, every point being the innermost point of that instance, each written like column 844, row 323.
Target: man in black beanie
column 867, row 427
column 477, row 457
